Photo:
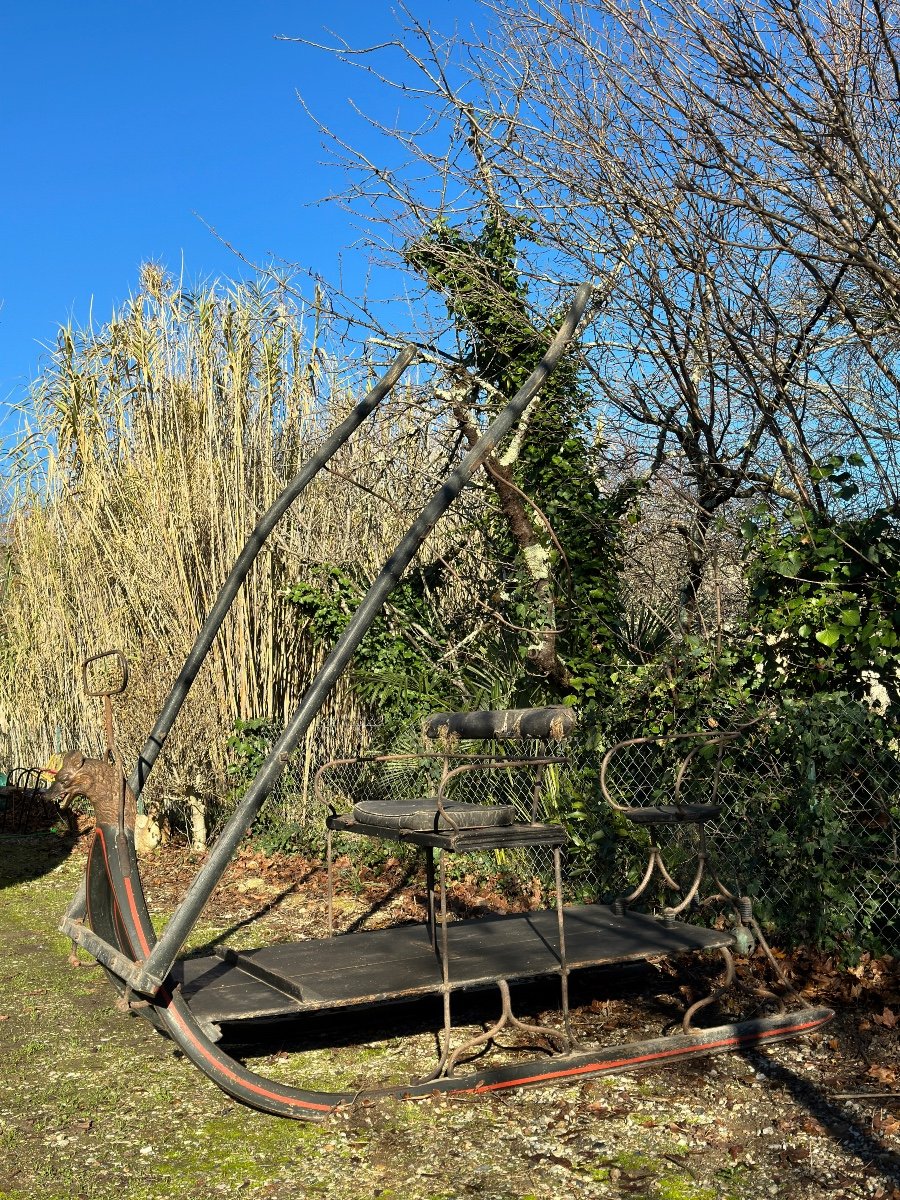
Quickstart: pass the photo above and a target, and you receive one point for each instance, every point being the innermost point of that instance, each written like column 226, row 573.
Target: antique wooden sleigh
column 191, row 999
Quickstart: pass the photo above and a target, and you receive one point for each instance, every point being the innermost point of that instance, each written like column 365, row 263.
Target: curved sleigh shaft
column 148, row 977
column 206, row 637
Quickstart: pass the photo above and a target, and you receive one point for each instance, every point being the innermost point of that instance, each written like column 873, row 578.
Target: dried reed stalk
column 152, row 446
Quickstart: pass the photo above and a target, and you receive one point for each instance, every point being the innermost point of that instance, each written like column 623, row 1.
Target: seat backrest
column 662, row 769
column 26, row 778
column 553, row 723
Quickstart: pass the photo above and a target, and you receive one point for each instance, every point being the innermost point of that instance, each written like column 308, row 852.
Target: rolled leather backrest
column 555, row 722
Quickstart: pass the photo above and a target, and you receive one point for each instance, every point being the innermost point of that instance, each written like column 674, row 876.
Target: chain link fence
column 817, row 849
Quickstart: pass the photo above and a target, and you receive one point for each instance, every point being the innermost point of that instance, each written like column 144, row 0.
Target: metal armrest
column 412, row 756
column 716, row 737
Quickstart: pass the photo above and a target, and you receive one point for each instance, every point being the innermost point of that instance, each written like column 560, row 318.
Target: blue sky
column 120, row 121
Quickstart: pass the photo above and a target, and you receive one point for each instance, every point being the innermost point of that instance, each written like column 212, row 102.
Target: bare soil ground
column 95, row 1104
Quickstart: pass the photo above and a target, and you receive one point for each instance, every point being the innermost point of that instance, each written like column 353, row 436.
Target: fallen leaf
column 603, row 1110
column 888, row 1019
column 883, row 1074
column 251, row 885
column 554, row 1158
column 795, row 1155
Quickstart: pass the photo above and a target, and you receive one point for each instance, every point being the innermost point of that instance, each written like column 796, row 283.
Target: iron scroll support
column 147, row 977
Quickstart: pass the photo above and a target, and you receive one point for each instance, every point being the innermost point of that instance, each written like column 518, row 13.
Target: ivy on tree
column 557, row 469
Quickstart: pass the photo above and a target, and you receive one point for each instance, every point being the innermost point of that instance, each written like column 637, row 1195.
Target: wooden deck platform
column 388, row 964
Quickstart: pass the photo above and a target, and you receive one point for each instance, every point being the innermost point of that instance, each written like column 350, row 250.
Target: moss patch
column 94, row 1105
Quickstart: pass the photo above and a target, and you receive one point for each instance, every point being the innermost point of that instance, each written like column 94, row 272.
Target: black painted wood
column 510, row 724
column 387, row 964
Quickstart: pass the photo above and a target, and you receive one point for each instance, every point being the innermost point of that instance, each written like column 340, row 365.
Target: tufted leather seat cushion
column 673, row 814
column 423, row 815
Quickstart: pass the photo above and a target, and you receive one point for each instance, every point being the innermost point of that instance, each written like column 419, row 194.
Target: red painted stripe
column 202, row 1046
column 87, row 877
column 251, row 1087
column 658, row 1056
column 138, row 923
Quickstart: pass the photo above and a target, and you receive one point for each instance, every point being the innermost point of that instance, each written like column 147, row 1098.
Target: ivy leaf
column 850, row 616
column 829, row 636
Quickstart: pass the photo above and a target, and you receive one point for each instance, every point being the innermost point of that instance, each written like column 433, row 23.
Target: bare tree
column 728, row 175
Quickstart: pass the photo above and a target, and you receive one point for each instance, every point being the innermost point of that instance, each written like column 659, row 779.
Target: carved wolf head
column 101, row 783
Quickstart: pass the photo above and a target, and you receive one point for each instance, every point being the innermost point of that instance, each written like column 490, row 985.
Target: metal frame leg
column 506, row 1019
column 429, row 882
column 742, row 907
column 445, row 958
column 714, row 995
column 442, row 950
column 329, row 857
column 563, row 961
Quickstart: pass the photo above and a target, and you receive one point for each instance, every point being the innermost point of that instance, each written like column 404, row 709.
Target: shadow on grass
column 344, row 1029
column 652, row 1000
column 29, row 856
column 841, row 1124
